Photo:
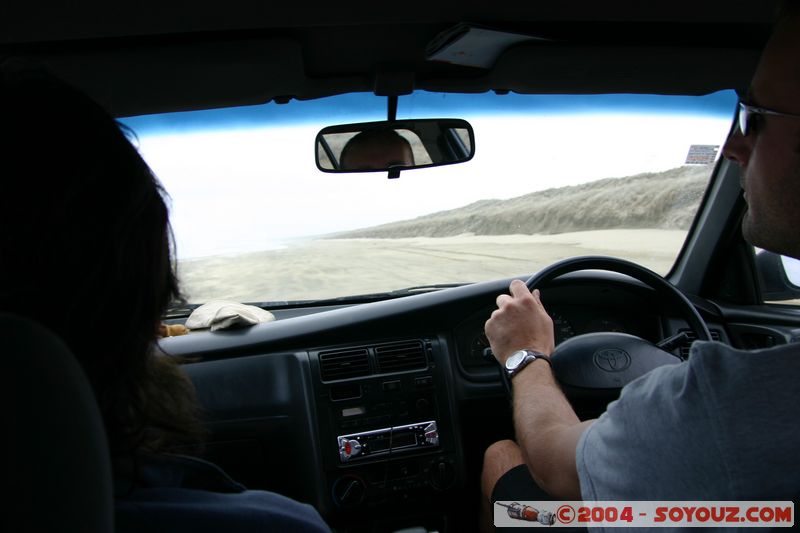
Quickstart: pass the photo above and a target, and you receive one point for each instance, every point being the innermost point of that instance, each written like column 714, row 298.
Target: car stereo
column 388, row 440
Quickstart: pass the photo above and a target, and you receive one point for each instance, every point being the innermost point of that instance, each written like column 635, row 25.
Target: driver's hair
column 85, row 251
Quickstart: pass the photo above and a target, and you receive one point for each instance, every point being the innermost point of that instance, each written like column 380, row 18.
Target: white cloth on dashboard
column 222, row 314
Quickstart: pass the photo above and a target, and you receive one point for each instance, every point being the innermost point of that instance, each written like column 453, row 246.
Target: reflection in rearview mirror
column 396, row 145
column 380, row 149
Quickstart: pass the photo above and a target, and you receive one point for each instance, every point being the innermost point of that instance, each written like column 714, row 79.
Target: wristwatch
column 522, row 358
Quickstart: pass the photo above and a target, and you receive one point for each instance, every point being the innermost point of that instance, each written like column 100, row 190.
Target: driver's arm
column 547, row 427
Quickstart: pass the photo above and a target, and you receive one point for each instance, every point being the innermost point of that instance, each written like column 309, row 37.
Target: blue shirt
column 173, row 494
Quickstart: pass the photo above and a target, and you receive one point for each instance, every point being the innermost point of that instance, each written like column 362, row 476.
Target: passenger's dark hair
column 85, row 250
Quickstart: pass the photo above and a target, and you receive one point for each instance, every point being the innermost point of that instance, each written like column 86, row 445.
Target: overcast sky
column 251, row 188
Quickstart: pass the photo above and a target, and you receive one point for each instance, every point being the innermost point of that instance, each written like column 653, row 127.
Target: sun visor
column 175, row 77
column 544, row 68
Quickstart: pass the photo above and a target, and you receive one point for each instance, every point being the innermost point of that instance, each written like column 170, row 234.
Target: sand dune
column 662, row 200
column 643, row 218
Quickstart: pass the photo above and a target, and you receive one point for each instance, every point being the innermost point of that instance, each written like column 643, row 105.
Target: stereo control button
column 348, row 448
column 432, row 434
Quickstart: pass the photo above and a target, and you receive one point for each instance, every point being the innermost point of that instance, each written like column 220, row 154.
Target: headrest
column 58, row 466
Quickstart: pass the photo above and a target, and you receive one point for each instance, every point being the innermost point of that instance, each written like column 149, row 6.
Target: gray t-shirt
column 725, row 425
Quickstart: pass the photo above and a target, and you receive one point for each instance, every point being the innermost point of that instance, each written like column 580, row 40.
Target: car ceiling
column 156, row 56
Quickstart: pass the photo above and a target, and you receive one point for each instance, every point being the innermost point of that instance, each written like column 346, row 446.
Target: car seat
column 58, row 471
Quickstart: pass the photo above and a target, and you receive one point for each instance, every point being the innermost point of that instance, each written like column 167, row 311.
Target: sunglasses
column 748, row 116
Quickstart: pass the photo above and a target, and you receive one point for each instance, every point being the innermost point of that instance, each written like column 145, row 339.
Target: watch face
column 515, row 359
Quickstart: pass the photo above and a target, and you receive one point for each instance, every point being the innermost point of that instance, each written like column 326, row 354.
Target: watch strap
column 530, row 356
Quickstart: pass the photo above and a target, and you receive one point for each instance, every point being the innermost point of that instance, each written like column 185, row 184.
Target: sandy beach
column 325, row 268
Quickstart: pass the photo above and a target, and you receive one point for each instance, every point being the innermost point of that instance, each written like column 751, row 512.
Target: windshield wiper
column 417, row 289
column 361, row 298
column 185, row 310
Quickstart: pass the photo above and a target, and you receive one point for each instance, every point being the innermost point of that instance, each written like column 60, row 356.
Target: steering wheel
column 609, row 360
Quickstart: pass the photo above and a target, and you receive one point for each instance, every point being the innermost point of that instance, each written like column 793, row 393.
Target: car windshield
column 553, row 176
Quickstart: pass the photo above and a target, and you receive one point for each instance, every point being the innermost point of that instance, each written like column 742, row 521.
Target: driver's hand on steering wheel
column 519, row 323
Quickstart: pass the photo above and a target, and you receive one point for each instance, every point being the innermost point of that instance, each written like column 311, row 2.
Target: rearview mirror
column 394, row 145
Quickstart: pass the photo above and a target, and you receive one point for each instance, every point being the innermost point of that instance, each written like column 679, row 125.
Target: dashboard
column 576, row 308
column 379, row 413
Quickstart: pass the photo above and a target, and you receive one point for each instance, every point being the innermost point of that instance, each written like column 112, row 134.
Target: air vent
column 400, row 356
column 343, row 364
column 686, row 347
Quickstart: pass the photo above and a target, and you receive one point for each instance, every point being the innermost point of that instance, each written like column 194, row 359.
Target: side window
column 779, row 277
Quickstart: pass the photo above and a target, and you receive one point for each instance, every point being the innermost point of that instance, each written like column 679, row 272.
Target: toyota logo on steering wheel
column 612, row 359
